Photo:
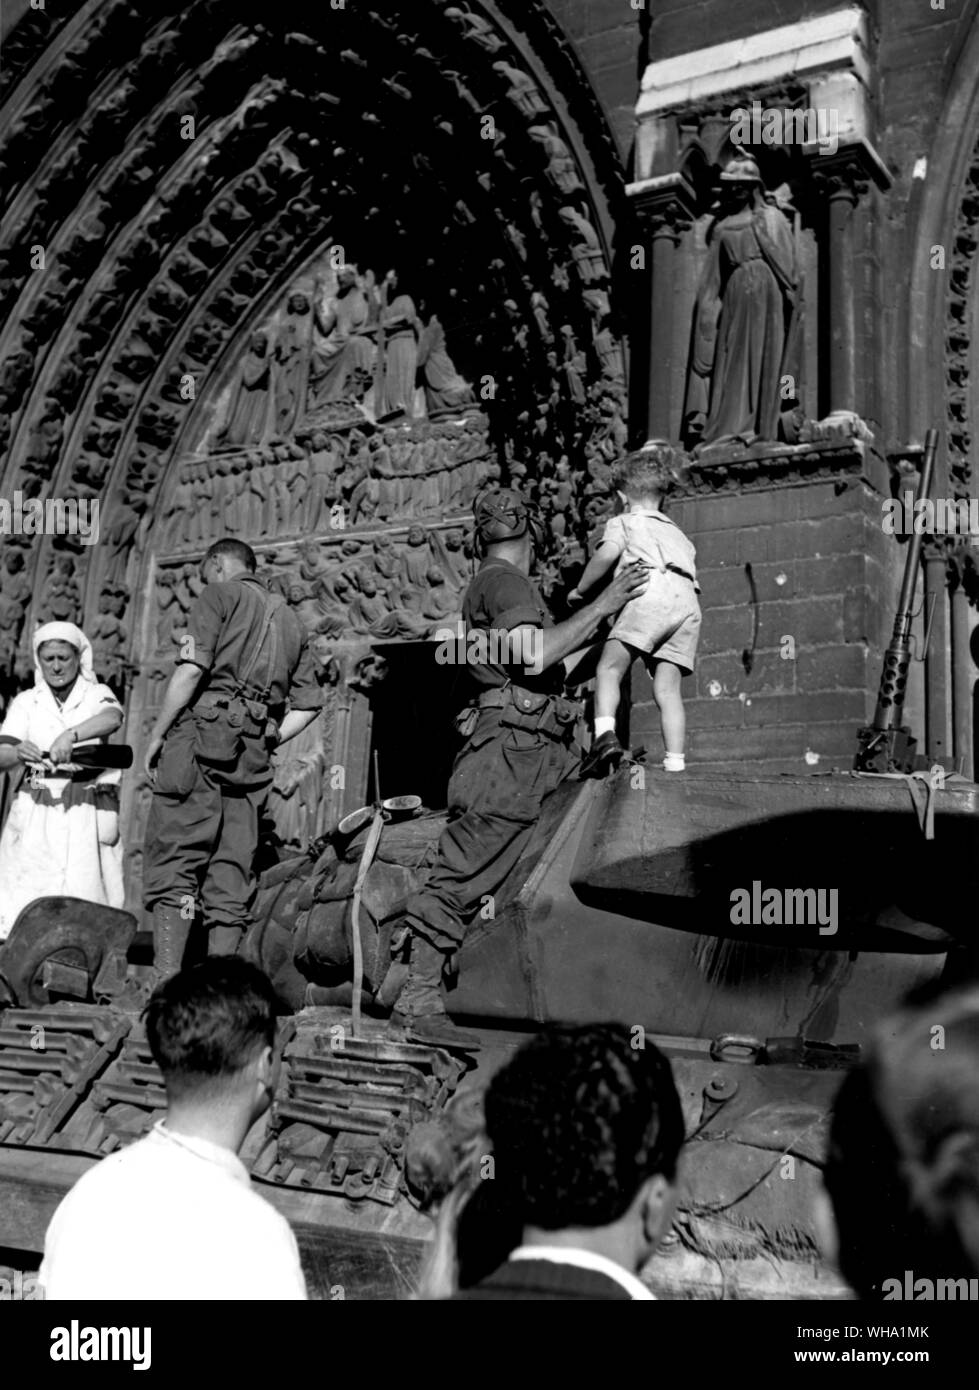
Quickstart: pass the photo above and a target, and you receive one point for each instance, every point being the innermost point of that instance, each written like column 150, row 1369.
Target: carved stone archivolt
column 960, row 385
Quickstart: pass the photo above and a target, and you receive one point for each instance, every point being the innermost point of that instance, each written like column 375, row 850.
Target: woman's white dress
column 62, row 837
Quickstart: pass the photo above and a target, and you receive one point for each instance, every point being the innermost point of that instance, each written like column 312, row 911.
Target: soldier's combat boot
column 170, row 932
column 420, row 1006
column 225, row 941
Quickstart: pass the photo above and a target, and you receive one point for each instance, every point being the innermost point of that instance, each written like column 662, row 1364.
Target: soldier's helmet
column 501, row 514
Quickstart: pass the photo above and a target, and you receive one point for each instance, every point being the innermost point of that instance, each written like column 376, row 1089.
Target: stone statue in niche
column 342, row 354
column 249, row 409
column 445, row 389
column 743, row 332
column 291, row 358
column 399, row 320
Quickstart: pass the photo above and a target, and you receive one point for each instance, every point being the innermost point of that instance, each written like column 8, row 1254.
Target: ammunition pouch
column 219, row 737
column 531, row 710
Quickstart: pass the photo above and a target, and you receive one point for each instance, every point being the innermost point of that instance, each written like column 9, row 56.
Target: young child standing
column 662, row 624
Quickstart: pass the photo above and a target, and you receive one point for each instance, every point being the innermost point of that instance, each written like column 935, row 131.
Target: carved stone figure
column 399, row 320
column 203, row 342
column 228, row 306
column 588, row 255
column 561, row 168
column 291, row 364
column 15, row 594
column 523, row 92
column 743, row 318
column 61, row 596
column 45, row 439
column 477, row 28
column 342, row 354
column 16, row 377
column 297, row 790
column 207, row 244
column 575, row 365
column 108, row 633
column 416, row 557
column 324, row 465
column 440, row 599
column 445, row 389
column 136, row 359
column 188, row 272
column 249, row 408
column 449, row 546
column 119, row 538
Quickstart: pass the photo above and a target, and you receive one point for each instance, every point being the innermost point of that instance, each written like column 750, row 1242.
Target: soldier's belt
column 258, row 709
column 531, row 709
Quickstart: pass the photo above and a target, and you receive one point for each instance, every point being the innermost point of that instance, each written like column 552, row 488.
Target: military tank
column 624, row 907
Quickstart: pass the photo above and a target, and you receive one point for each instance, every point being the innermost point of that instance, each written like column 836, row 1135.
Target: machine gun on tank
column 887, row 745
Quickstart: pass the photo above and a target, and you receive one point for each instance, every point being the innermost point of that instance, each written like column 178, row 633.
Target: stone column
column 665, row 209
column 843, row 181
column 935, row 561
column 962, row 669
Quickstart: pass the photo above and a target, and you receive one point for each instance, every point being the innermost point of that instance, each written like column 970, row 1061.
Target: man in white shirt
column 174, row 1216
column 586, row 1130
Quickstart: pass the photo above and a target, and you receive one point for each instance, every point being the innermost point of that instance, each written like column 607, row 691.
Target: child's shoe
column 674, row 762
column 604, row 754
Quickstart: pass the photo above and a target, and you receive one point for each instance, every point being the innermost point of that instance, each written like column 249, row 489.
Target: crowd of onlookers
column 581, row 1133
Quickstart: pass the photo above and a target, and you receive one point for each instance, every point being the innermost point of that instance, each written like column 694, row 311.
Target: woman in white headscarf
column 62, row 834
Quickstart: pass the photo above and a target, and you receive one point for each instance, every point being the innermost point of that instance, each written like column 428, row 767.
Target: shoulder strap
column 272, row 604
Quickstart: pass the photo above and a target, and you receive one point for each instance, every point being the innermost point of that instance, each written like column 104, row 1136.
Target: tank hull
column 620, row 910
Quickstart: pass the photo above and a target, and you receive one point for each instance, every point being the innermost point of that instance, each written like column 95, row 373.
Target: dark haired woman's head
column 580, row 1121
column 902, row 1172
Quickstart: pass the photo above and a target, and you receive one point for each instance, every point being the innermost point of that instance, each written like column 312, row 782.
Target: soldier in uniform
column 519, row 746
column 244, row 683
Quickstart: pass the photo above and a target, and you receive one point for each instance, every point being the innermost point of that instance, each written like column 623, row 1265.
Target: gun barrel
column 917, row 539
column 897, row 658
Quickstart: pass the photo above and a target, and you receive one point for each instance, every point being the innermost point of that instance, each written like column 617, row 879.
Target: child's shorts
column 664, row 621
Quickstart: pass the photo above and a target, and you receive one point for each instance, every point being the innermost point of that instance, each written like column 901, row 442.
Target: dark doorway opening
column 412, row 731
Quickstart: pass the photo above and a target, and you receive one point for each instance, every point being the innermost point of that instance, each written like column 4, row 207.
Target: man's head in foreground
column 211, row 1030
column 586, row 1130
column 902, row 1169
